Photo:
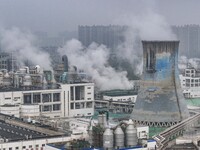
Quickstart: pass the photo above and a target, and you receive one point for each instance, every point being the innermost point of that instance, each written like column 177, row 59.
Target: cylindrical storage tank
column 22, row 70
column 30, row 110
column 27, row 80
column 119, row 138
column 37, row 68
column 102, row 120
column 131, row 135
column 90, row 134
column 108, row 139
column 6, row 80
column 10, row 110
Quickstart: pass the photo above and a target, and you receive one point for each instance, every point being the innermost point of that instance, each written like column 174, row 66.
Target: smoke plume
column 94, row 60
column 147, row 25
column 21, row 43
column 184, row 62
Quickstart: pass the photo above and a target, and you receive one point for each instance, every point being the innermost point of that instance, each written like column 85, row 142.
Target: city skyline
column 56, row 16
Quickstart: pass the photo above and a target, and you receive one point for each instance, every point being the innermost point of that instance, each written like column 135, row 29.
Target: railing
column 163, row 138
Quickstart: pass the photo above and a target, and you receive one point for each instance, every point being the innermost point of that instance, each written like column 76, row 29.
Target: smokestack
column 65, row 62
column 160, row 100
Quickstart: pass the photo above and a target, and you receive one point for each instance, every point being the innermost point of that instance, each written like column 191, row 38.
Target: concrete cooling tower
column 160, row 100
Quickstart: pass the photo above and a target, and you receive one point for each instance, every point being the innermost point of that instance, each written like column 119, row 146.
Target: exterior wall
column 37, row 144
column 190, row 83
column 30, row 110
column 84, row 106
column 143, row 132
column 11, row 98
column 121, row 98
column 81, row 96
column 10, row 110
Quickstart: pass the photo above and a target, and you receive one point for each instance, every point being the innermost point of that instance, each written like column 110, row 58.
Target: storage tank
column 119, row 138
column 30, row 110
column 131, row 135
column 27, row 69
column 102, row 120
column 27, row 80
column 108, row 139
column 6, row 80
column 10, row 110
column 37, row 68
column 22, row 70
column 90, row 134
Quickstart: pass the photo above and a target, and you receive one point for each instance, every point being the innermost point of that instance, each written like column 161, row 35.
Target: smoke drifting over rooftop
column 94, row 60
column 21, row 43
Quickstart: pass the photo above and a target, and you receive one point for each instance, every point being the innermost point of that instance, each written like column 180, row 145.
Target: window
column 16, row 148
column 89, row 93
column 46, row 97
column 30, row 146
column 47, row 108
column 56, row 97
column 36, row 98
column 56, row 107
column 89, row 105
column 23, row 147
column 43, row 145
column 10, row 148
column 72, row 105
column 88, row 98
column 77, row 105
column 88, row 87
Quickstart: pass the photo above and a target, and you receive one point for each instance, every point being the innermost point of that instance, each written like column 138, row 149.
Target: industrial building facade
column 64, row 102
column 190, row 83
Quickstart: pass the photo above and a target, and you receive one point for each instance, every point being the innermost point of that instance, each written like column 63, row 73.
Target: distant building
column 111, row 35
column 190, row 83
column 8, row 61
column 189, row 36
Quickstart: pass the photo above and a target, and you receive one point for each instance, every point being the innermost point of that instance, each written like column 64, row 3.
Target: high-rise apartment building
column 111, row 35
column 189, row 36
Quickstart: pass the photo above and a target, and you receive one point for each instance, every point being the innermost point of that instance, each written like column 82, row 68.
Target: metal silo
column 90, row 134
column 108, row 139
column 119, row 138
column 131, row 135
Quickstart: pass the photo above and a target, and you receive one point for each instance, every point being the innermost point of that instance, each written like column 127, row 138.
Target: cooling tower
column 160, row 100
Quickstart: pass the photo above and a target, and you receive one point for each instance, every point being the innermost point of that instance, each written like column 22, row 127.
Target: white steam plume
column 184, row 62
column 94, row 60
column 21, row 43
column 146, row 26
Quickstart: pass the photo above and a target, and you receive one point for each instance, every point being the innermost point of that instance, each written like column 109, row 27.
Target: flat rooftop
column 193, row 102
column 15, row 133
column 119, row 92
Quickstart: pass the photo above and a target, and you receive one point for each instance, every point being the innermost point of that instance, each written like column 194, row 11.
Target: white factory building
column 64, row 102
column 32, row 92
column 190, row 83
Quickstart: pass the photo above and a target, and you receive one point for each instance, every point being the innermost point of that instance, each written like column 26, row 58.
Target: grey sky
column 59, row 15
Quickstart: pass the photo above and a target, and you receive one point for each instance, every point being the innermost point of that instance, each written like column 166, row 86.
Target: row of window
column 81, row 105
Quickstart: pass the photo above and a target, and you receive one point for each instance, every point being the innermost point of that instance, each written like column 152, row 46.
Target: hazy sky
column 55, row 16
